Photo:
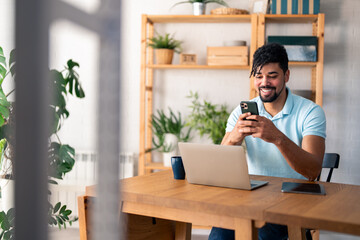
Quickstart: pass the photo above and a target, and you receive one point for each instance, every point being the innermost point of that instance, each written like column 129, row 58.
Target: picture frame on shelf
column 188, row 59
column 259, row 6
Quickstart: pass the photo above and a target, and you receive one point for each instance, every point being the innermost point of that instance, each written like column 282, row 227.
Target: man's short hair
column 270, row 53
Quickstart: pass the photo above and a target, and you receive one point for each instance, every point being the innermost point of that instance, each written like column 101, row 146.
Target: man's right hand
column 236, row 136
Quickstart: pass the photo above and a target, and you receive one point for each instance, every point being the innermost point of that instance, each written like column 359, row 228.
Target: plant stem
column 58, row 138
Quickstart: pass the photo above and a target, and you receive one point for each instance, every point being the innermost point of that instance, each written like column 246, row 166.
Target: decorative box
column 295, row 6
column 238, row 55
column 298, row 48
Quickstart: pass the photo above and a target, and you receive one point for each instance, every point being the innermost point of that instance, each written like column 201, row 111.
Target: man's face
column 270, row 82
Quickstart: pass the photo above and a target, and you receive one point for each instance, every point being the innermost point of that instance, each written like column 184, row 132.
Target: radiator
column 84, row 173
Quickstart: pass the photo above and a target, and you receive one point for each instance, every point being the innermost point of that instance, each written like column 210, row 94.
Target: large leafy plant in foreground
column 61, row 156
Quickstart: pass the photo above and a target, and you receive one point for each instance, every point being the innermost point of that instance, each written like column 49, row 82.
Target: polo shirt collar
column 289, row 104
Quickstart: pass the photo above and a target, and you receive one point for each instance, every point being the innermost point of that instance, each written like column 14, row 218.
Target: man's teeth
column 266, row 90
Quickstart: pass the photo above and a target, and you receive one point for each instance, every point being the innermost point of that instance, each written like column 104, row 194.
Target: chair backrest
column 331, row 161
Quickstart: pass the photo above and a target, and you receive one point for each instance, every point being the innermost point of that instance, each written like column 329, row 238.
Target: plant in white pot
column 164, row 46
column 61, row 156
column 199, row 6
column 168, row 130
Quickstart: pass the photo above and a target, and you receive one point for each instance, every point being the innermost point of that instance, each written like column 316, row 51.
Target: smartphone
column 247, row 106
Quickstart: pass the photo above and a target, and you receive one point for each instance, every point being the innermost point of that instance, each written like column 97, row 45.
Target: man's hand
column 237, row 135
column 262, row 128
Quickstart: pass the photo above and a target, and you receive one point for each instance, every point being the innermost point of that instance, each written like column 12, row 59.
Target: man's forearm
column 306, row 160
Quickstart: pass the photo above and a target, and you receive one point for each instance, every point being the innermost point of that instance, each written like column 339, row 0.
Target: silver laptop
column 217, row 165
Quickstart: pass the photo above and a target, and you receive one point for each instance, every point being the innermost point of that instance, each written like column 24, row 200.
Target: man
column 287, row 139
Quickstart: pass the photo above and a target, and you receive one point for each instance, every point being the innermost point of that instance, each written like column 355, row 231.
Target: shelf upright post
column 319, row 31
column 149, row 94
column 141, row 165
column 257, row 40
column 261, row 30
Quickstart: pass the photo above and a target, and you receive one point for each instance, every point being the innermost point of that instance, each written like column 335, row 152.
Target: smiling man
column 288, row 137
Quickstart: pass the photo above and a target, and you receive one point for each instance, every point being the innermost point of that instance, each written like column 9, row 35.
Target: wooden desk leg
column 245, row 229
column 82, row 217
column 296, row 233
column 183, row 231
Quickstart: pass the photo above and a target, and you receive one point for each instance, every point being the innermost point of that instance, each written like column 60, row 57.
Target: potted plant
column 61, row 156
column 168, row 131
column 164, row 46
column 199, row 6
column 208, row 118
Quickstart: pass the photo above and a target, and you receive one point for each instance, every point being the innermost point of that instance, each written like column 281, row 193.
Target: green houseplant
column 208, row 118
column 199, row 6
column 61, row 156
column 168, row 130
column 164, row 46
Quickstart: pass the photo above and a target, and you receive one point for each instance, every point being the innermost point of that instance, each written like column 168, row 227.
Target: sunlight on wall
column 70, row 41
column 89, row 6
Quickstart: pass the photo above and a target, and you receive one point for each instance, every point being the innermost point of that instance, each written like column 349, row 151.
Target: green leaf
column 60, row 221
column 2, row 216
column 72, row 79
column 165, row 41
column 12, row 62
column 5, row 225
column 63, row 209
column 7, row 235
column 67, row 212
column 2, row 65
column 57, row 207
column 71, row 64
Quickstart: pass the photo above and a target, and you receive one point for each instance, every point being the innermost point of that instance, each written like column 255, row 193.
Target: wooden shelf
column 199, row 19
column 311, row 64
column 177, row 66
column 291, row 18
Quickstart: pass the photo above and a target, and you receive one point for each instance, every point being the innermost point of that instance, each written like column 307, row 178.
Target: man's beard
column 271, row 98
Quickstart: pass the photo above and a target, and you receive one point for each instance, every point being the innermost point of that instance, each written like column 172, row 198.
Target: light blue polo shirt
column 298, row 118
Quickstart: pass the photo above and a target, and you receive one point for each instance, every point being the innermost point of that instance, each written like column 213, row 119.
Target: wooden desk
column 338, row 211
column 159, row 195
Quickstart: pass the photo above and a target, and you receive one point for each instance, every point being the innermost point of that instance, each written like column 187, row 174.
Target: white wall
column 342, row 85
column 341, row 74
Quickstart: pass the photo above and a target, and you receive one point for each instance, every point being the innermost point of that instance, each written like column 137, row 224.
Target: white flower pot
column 199, row 8
column 170, row 140
column 167, row 158
column 7, row 194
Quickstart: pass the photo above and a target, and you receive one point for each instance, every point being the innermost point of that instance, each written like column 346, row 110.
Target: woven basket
column 228, row 11
column 164, row 56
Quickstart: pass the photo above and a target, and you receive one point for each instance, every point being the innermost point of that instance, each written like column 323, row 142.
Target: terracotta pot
column 164, row 56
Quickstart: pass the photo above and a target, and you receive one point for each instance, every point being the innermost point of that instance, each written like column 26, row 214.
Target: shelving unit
column 258, row 25
column 317, row 68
